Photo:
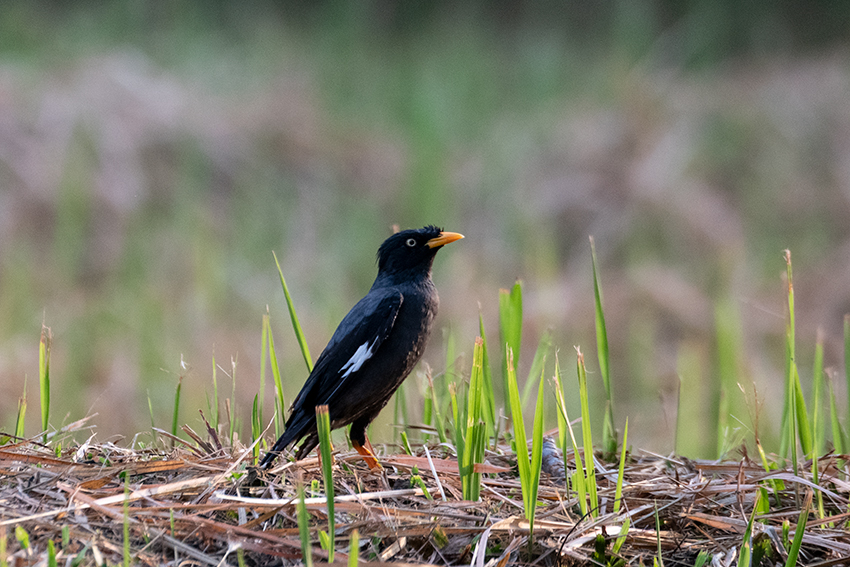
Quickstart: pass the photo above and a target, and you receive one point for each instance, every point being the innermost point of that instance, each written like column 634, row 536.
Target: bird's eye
column 411, row 242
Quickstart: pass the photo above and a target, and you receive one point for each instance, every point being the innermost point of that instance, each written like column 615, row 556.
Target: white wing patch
column 362, row 354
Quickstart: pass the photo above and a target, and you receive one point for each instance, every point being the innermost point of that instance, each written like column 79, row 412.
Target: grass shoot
column 587, row 438
column 304, row 527
column 471, row 430
column 510, row 328
column 296, row 326
column 528, row 466
column 323, row 422
column 44, row 377
column 609, row 432
column 280, row 398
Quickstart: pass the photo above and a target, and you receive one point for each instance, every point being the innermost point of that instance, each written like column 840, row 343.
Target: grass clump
column 595, row 511
column 471, row 428
column 529, row 467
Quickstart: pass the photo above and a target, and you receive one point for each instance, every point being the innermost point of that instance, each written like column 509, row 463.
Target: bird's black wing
column 356, row 340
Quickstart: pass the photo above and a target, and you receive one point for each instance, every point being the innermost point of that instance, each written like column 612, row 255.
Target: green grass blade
column 230, row 405
column 703, row 557
column 256, row 426
column 323, row 423
column 788, row 424
column 304, row 528
column 562, row 422
column 213, row 405
column 792, row 419
column 804, row 428
column 51, row 554
column 590, row 466
column 819, row 422
column 44, row 376
column 618, row 494
column 847, row 355
column 150, row 409
column 354, row 548
column 175, row 419
column 562, row 410
column 278, row 419
column 746, row 552
column 473, row 447
column 794, row 550
column 22, row 412
column 565, row 429
column 405, row 443
column 416, row 480
column 296, row 326
column 621, row 536
column 788, row 443
column 538, row 363
column 837, row 431
column 22, row 536
column 487, row 383
column 658, row 559
column 794, row 404
column 399, row 412
column 609, row 433
column 278, row 384
column 459, row 418
column 523, row 462
column 126, row 521
column 510, row 327
column 776, row 485
column 536, row 456
column 428, row 403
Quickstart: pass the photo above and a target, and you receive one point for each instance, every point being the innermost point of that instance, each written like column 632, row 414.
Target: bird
column 373, row 349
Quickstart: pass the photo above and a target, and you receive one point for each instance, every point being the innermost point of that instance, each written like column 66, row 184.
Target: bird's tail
column 289, row 437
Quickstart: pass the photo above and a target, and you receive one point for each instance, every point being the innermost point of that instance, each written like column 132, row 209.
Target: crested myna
column 374, row 348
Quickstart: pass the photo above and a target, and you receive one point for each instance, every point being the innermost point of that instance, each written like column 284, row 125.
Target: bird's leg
column 368, row 453
column 360, row 441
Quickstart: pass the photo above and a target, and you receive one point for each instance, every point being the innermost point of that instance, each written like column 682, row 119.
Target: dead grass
column 194, row 505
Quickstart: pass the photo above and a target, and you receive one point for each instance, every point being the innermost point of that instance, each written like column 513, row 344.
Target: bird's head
column 412, row 251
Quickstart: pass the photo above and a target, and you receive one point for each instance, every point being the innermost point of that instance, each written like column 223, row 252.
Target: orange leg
column 368, row 454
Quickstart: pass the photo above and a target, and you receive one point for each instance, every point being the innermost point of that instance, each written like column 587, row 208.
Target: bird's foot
column 368, row 454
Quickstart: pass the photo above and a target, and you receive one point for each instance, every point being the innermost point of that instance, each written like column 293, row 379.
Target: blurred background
column 153, row 154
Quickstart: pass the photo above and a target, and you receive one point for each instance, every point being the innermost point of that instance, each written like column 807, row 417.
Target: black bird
column 374, row 348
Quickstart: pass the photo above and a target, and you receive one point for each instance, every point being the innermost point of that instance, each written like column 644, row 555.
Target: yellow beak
column 443, row 239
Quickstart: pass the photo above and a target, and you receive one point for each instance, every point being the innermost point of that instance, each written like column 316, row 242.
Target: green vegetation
column 44, row 378
column 323, row 423
column 529, row 467
column 152, row 157
column 469, row 430
column 609, row 433
column 304, row 528
column 309, row 132
column 354, row 549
